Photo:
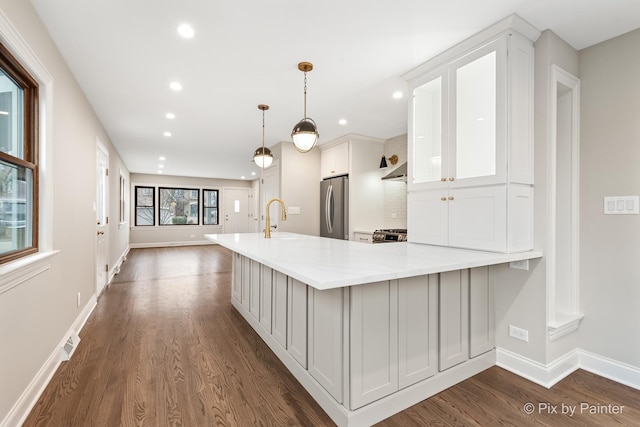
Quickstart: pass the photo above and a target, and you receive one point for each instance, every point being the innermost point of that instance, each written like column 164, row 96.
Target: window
column 178, row 207
column 210, row 207
column 122, row 218
column 145, row 205
column 18, row 160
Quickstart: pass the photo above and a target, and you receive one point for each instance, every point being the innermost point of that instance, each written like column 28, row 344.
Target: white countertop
column 331, row 263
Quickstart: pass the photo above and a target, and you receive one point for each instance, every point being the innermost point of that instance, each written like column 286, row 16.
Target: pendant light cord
column 305, row 94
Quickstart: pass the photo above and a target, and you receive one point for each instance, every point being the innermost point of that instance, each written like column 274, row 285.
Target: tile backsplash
column 395, row 192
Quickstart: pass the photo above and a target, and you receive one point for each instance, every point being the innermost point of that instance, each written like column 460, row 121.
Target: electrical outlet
column 520, row 265
column 78, row 300
column 519, row 333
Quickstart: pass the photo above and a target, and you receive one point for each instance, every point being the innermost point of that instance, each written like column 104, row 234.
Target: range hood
column 398, row 174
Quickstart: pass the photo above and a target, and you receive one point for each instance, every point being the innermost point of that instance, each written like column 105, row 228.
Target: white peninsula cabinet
column 367, row 342
column 470, row 152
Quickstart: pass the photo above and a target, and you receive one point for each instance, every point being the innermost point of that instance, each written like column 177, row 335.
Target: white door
column 270, row 188
column 236, row 210
column 102, row 217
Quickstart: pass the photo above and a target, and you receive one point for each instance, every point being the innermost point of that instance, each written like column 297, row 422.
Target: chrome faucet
column 267, row 221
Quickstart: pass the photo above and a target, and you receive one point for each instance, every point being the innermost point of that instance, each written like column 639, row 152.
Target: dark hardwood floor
column 164, row 347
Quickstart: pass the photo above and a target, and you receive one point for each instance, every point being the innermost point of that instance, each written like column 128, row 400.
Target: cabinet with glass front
column 471, row 127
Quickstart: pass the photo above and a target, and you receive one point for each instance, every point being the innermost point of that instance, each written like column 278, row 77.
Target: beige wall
column 521, row 297
column 300, row 187
column 180, row 235
column 610, row 166
column 36, row 315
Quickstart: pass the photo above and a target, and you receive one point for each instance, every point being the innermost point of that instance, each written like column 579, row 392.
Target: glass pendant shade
column 305, row 135
column 263, row 157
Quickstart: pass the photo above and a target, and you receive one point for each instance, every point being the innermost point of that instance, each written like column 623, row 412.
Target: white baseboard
column 549, row 374
column 31, row 394
column 116, row 268
column 168, row 244
column 544, row 375
column 611, row 369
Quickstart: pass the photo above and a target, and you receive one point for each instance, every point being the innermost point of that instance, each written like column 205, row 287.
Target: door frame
column 102, row 153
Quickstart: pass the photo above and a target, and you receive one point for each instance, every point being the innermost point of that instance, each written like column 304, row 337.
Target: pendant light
column 262, row 156
column 305, row 132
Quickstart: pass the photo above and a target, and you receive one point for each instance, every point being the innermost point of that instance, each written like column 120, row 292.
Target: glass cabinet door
column 429, row 155
column 477, row 135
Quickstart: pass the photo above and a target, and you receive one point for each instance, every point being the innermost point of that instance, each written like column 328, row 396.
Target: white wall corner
column 31, row 394
column 539, row 373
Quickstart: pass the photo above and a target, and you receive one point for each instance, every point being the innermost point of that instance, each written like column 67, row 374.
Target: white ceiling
column 124, row 54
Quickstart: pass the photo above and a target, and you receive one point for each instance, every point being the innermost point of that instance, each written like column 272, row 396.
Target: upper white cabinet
column 471, row 127
column 334, row 160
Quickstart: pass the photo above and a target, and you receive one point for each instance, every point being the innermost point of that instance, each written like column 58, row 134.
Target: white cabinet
column 454, row 318
column 471, row 128
column 246, row 281
column 236, row 283
column 363, row 237
column 335, row 160
column 481, row 321
column 266, row 297
column 326, row 323
column 297, row 321
column 417, row 329
column 254, row 289
column 279, row 305
column 374, row 342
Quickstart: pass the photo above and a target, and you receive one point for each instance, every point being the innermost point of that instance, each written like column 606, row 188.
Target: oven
column 390, row 235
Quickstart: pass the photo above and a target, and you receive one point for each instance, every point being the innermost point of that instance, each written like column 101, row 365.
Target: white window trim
column 20, row 270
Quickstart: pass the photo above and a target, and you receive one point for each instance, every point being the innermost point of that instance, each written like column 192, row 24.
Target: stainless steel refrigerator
column 334, row 207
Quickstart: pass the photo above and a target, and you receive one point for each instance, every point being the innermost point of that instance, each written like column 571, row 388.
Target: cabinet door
column 374, row 342
column 334, row 160
column 428, row 133
column 481, row 335
column 236, row 284
column 428, row 217
column 325, row 339
column 417, row 329
column 478, row 125
column 266, row 292
column 478, row 218
column 454, row 318
column 246, row 281
column 297, row 321
column 254, row 290
column 279, row 308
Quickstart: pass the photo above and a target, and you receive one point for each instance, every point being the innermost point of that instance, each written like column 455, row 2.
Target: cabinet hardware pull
column 444, row 199
column 443, row 179
column 450, row 197
column 451, row 178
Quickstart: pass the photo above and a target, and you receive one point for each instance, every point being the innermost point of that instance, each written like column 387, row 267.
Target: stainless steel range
column 390, row 235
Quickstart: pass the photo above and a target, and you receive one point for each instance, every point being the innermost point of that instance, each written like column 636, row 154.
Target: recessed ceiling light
column 162, row 158
column 175, row 86
column 170, row 116
column 397, row 94
column 242, row 177
column 161, row 166
column 186, row 31
column 253, row 173
column 167, row 134
column 159, row 171
column 342, row 122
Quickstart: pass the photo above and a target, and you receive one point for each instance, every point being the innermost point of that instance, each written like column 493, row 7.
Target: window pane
column 16, row 205
column 210, row 210
column 177, row 207
column 11, row 125
column 145, row 212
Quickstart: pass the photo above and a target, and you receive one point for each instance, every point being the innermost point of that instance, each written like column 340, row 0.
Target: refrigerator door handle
column 329, row 209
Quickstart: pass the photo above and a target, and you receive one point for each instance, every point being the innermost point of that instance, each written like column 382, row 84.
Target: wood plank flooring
column 164, row 347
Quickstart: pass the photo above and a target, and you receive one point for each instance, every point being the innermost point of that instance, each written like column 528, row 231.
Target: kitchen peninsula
column 367, row 329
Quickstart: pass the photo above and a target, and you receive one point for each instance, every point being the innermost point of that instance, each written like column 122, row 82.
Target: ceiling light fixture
column 175, row 86
column 305, row 132
column 186, row 31
column 170, row 116
column 262, row 156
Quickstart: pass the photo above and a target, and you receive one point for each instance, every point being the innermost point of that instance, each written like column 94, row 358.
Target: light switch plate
column 621, row 205
column 293, row 210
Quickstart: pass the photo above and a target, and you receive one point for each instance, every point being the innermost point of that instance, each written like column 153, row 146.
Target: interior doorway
column 102, row 216
column 236, row 210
